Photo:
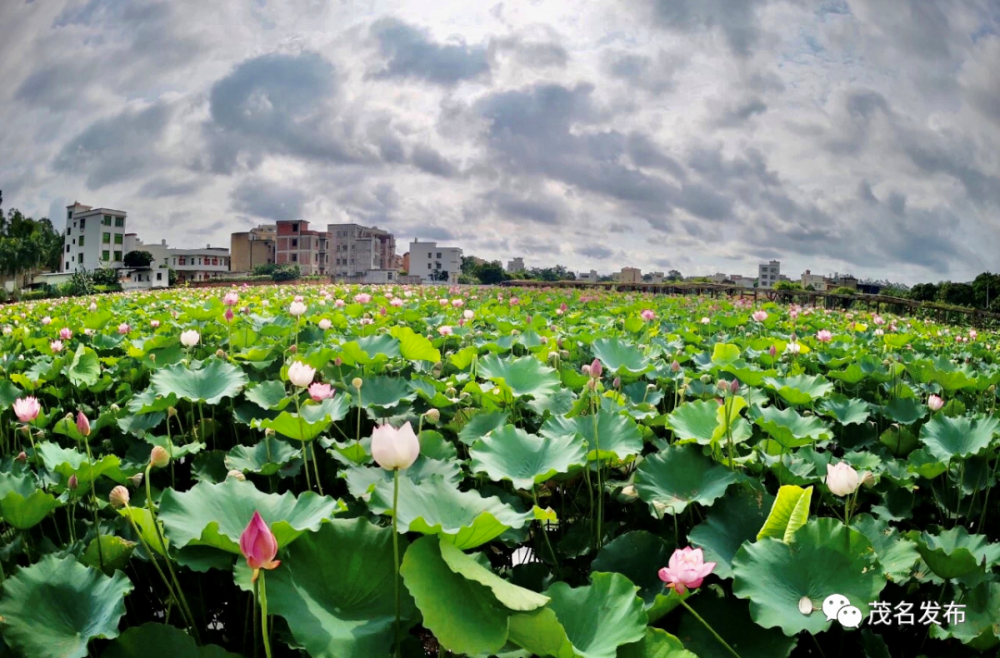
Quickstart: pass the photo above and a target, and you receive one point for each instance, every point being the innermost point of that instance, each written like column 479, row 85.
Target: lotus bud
column 152, row 357
column 585, row 368
column 293, row 349
column 433, row 415
column 269, row 432
column 356, row 383
column 675, row 366
column 650, row 387
column 992, row 388
column 772, row 351
column 338, row 362
column 596, row 369
column 220, row 353
column 21, row 457
column 171, row 412
column 617, row 383
column 236, row 475
column 119, row 497
column 564, row 354
column 73, row 482
column 867, row 480
column 734, row 387
column 794, row 338
column 159, row 457
column 592, row 384
column 842, row 479
column 135, row 480
column 114, row 407
column 450, row 391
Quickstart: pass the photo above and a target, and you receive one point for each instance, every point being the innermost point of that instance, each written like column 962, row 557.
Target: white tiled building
column 189, row 264
column 355, row 250
column 768, row 274
column 427, row 258
column 94, row 238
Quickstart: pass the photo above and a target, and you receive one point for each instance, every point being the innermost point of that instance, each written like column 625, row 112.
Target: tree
column 924, row 292
column 674, row 275
column 986, row 287
column 28, row 245
column 138, row 259
column 958, row 294
column 787, row 285
column 490, row 273
column 439, row 275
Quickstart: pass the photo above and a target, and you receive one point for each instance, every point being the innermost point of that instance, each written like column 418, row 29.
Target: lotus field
column 367, row 472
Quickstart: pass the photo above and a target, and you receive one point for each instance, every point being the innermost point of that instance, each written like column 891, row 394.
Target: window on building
column 81, row 240
column 83, row 224
column 118, row 256
column 106, row 238
column 79, row 258
column 67, row 249
column 159, row 277
column 119, row 222
column 106, row 220
column 182, row 261
column 428, row 266
column 69, row 214
column 295, row 258
column 119, row 238
column 295, row 243
column 105, row 255
column 439, row 256
column 295, row 227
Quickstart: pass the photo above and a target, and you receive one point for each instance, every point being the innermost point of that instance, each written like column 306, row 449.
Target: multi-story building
column 433, row 263
column 656, row 277
column 297, row 245
column 189, row 264
column 515, row 265
column 248, row 249
column 588, row 277
column 94, row 238
column 406, row 263
column 355, row 250
column 630, row 275
column 768, row 274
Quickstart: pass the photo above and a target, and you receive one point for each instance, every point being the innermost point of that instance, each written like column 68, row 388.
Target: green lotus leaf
column 313, row 421
column 980, row 626
column 585, row 622
column 152, row 640
column 524, row 376
column 85, row 369
column 790, row 428
column 216, row 514
column 268, row 395
column 114, row 551
column 800, row 389
column 730, row 617
column 695, row 421
column 385, row 392
column 510, row 596
column 731, row 522
column 265, row 458
column 617, row 355
column 656, row 644
column 377, row 348
column 22, row 504
column 672, row 479
column 216, row 379
column 482, row 424
column 905, row 411
column 955, row 553
column 413, row 346
column 361, row 480
column 844, row 410
column 70, row 461
column 618, row 435
column 435, row 507
column 334, row 588
column 144, row 521
column 961, row 437
column 900, row 440
column 896, row 554
column 525, row 459
column 638, row 555
column 723, row 354
column 53, row 608
column 8, row 393
column 852, row 374
column 789, row 512
column 823, row 558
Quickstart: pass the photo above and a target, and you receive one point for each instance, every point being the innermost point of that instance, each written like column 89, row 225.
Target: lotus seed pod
column 135, row 480
column 356, row 383
column 269, row 432
column 564, row 354
column 450, row 391
column 433, row 415
column 220, row 353
column 236, row 475
column 119, row 497
column 706, row 379
column 171, row 412
column 159, row 457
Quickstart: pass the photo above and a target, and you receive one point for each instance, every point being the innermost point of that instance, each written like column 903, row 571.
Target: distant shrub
column 843, row 290
column 286, row 272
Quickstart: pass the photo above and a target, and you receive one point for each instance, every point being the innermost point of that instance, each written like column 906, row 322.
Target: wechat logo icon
column 836, row 606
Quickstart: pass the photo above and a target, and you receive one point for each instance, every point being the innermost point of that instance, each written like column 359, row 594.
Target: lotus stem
column 319, row 485
column 302, row 432
column 545, row 534
column 152, row 558
column 93, row 493
column 710, row 629
column 262, row 597
column 395, row 553
column 600, row 490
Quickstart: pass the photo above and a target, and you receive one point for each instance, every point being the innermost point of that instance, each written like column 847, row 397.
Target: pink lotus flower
column 596, row 369
column 298, row 298
column 394, row 449
column 514, row 301
column 82, row 424
column 444, row 330
column 686, row 570
column 824, row 336
column 973, row 334
column 65, row 333
column 934, row 402
column 27, row 409
column 154, row 324
column 231, row 299
column 772, row 351
column 443, row 302
column 362, row 298
column 468, row 315
column 705, row 320
column 56, row 346
column 46, row 320
column 259, row 546
column 319, row 392
column 397, row 302
column 339, row 303
column 228, row 315
column 842, row 479
column 325, row 324
column 123, row 328
column 648, row 315
column 457, row 303
column 878, row 319
column 759, row 316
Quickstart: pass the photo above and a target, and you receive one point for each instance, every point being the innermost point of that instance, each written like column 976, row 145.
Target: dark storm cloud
column 427, row 159
column 162, row 186
column 116, row 149
column 641, row 71
column 644, row 153
column 410, row 52
column 735, row 19
column 267, row 200
column 534, row 208
column 596, row 252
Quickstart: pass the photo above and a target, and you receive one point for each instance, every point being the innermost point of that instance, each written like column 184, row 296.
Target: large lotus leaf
column 53, row 608
column 730, row 523
column 413, row 346
column 482, row 424
column 144, row 522
column 959, row 437
column 361, row 480
column 438, row 574
column 853, row 374
column 790, row 428
column 435, row 507
column 723, row 354
column 618, row 355
column 385, row 392
column 313, row 420
column 216, row 514
column 980, row 626
column 904, row 411
column 955, row 553
column 524, row 376
column 70, row 461
column 618, row 435
column 695, row 421
column 152, row 640
column 335, row 589
column 638, row 555
column 266, row 458
column 789, row 512
column 656, row 644
column 678, row 476
column 8, row 393
column 268, row 395
column 730, row 618
column 585, row 622
column 800, row 389
column 824, row 558
column 22, row 504
column 846, row 411
column 896, row 554
column 510, row 453
column 216, row 379
column 110, row 550
column 85, row 369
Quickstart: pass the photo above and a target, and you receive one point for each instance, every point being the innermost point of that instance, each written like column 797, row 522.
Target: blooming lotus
column 123, row 328
column 65, row 333
column 154, row 324
column 395, row 449
column 648, row 315
column 705, row 320
column 319, row 392
column 468, row 315
column 444, row 330
column 231, row 299
column 190, row 338
column 339, row 303
column 325, row 324
column 934, row 403
column 686, row 570
column 46, row 320
column 27, row 409
column 362, row 298
column 396, row 302
column 457, row 303
column 824, row 336
column 259, row 546
column 300, row 374
column 759, row 316
column 56, row 346
column 842, row 479
column 296, row 309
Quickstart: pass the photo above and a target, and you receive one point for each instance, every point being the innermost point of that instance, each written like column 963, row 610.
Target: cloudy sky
column 700, row 135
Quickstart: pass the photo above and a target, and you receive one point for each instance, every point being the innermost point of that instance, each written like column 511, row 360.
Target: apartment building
column 296, row 244
column 189, row 264
column 588, row 277
column 94, row 238
column 817, row 281
column 629, row 275
column 768, row 274
column 515, row 265
column 355, row 249
column 248, row 249
column 433, row 263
